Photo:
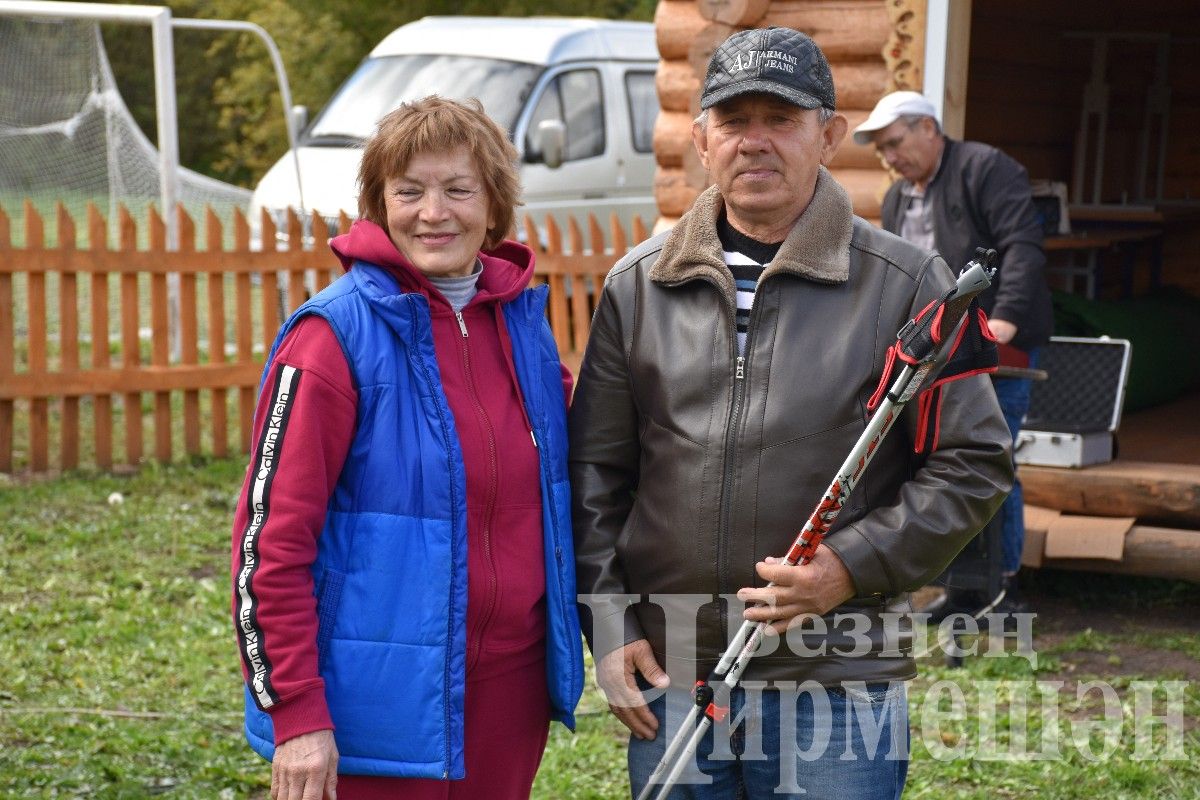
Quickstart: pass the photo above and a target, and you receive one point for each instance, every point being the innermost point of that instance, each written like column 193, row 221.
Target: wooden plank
column 215, row 284
column 1168, row 493
column 639, row 230
column 580, row 317
column 102, row 421
column 7, row 346
column 558, row 288
column 297, row 292
column 189, row 335
column 68, row 341
column 142, row 378
column 39, row 411
column 131, row 355
column 245, row 335
column 160, row 340
column 270, row 310
column 620, row 243
column 595, row 234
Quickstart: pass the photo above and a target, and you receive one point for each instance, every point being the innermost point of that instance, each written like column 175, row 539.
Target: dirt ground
column 1118, row 609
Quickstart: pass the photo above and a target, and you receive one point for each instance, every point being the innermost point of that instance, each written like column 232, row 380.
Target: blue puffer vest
column 390, row 573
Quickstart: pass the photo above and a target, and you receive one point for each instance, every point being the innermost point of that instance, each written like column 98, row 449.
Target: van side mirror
column 298, row 118
column 552, row 142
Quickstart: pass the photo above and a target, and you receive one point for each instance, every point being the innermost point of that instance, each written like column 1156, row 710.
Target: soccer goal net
column 66, row 134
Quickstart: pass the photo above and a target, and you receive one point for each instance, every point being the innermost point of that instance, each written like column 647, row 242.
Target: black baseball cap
column 778, row 61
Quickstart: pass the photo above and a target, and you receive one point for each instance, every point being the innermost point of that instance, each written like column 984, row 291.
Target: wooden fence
column 85, row 333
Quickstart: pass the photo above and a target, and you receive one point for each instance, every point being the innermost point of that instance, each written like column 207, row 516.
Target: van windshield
column 381, row 84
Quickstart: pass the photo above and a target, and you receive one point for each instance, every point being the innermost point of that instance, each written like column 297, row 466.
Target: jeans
column 1013, row 394
column 840, row 743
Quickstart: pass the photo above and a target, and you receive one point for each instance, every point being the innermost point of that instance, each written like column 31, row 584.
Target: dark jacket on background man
column 981, row 198
column 690, row 463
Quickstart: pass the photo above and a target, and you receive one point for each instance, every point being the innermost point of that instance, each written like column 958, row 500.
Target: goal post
column 161, row 24
column 159, row 20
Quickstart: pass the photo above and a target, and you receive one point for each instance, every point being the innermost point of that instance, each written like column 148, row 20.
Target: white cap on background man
column 890, row 108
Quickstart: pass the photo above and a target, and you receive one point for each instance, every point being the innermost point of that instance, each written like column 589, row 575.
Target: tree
column 249, row 106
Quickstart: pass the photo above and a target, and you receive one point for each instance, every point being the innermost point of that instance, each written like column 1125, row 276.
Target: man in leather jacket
column 725, row 379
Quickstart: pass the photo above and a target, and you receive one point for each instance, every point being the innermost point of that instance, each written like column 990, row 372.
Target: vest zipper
column 418, row 312
column 462, row 324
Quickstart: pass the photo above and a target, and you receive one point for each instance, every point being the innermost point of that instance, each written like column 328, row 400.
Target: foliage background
column 231, row 124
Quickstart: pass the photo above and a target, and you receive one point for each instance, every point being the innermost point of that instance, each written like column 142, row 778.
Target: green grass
column 121, row 680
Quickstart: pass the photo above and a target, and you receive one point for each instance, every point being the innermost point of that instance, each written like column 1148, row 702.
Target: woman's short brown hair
column 436, row 125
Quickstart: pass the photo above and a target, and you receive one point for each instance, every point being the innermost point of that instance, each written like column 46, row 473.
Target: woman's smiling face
column 438, row 212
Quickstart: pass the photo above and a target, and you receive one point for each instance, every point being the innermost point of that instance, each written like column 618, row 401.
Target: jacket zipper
column 490, row 504
column 731, row 434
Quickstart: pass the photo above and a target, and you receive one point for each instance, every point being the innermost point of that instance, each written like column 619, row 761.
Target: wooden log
column 672, row 191
column 865, row 187
column 672, row 137
column 859, row 84
column 846, row 30
column 745, row 13
column 701, row 48
column 676, row 23
column 1168, row 493
column 1172, row 553
column 856, row 156
column 677, row 85
column 693, row 168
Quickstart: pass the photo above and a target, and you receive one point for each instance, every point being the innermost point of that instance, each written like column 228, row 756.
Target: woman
column 402, row 562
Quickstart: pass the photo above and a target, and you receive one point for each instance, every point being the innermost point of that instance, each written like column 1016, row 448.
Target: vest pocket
column 329, row 595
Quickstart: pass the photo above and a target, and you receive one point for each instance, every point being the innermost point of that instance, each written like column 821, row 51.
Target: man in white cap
column 952, row 197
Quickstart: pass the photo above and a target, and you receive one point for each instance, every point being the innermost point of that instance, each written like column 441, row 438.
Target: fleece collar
column 817, row 248
column 507, row 269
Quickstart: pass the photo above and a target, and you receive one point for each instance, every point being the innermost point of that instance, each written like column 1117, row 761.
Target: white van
column 576, row 95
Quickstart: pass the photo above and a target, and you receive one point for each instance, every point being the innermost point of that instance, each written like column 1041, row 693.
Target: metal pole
column 285, row 91
column 168, row 159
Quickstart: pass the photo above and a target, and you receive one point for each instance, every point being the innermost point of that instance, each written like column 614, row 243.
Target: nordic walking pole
column 923, row 357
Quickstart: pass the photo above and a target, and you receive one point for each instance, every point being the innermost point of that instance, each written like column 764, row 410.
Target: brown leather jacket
column 689, row 463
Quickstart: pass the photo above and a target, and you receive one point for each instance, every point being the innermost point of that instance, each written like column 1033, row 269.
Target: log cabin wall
column 1029, row 70
column 873, row 47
